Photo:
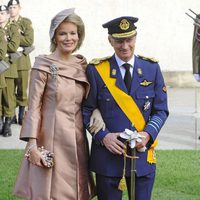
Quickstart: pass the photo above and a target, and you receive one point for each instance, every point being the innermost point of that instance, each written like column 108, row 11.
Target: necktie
column 127, row 77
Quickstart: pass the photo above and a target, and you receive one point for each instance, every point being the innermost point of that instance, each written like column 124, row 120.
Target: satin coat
column 54, row 118
column 152, row 96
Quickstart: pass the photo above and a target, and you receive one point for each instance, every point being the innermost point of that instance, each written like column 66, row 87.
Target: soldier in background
column 3, row 51
column 13, row 40
column 23, row 64
column 196, row 49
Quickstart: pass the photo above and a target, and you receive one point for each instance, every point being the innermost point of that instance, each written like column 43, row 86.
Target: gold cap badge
column 124, row 24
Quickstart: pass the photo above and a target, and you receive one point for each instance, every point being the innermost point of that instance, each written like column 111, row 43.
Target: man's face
column 14, row 10
column 124, row 47
column 3, row 17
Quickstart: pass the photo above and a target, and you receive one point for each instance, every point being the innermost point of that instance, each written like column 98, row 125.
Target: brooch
column 53, row 70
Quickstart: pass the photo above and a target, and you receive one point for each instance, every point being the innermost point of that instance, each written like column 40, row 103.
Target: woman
column 58, row 85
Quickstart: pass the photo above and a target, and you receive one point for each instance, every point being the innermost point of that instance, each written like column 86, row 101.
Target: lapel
column 115, row 73
column 137, row 75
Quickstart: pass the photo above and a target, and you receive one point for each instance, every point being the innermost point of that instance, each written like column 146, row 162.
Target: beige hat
column 58, row 19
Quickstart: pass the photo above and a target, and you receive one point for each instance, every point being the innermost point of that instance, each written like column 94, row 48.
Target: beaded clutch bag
column 47, row 155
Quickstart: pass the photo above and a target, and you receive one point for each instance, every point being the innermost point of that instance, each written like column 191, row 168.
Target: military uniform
column 23, row 65
column 3, row 51
column 148, row 92
column 196, row 50
column 9, row 104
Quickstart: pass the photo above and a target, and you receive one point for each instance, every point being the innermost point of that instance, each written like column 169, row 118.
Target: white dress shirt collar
column 120, row 62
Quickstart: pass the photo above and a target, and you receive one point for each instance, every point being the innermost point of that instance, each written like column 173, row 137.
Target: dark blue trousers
column 107, row 187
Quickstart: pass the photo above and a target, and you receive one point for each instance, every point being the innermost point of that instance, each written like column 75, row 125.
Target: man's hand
column 114, row 145
column 144, row 142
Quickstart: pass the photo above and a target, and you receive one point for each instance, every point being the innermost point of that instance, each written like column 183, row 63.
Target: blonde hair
column 75, row 19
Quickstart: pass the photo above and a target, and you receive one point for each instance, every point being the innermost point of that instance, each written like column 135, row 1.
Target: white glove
column 133, row 137
column 96, row 122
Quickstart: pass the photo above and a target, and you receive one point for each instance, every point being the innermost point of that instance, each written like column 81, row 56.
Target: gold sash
column 125, row 102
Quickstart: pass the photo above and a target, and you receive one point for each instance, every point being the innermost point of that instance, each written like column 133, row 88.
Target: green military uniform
column 13, row 37
column 3, row 51
column 23, row 63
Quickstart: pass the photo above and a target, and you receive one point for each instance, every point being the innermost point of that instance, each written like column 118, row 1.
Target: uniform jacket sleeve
column 91, row 102
column 159, row 111
column 14, row 38
column 32, row 120
column 27, row 33
column 3, row 46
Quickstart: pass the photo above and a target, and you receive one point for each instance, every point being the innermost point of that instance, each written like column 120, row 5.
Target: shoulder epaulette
column 96, row 61
column 26, row 19
column 151, row 59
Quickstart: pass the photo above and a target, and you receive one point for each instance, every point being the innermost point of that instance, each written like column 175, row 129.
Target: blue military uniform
column 148, row 90
column 102, row 161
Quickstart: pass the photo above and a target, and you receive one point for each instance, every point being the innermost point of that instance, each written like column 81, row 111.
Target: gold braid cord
column 122, row 184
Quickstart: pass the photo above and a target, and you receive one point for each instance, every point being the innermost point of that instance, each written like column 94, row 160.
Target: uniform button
column 107, row 99
column 147, row 97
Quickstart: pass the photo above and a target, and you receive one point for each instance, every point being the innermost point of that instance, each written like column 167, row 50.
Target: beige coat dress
column 54, row 117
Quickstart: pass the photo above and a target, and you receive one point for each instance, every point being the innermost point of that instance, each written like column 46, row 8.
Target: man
column 133, row 99
column 9, row 100
column 23, row 63
column 3, row 51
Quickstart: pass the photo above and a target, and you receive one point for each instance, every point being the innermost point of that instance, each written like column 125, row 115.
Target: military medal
column 147, row 105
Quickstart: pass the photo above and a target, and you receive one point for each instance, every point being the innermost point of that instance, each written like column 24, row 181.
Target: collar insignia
column 113, row 72
column 139, row 71
column 146, row 83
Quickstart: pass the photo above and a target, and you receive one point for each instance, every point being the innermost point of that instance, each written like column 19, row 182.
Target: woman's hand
column 34, row 155
column 96, row 122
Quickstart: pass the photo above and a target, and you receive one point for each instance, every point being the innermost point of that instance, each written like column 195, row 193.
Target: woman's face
column 66, row 37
